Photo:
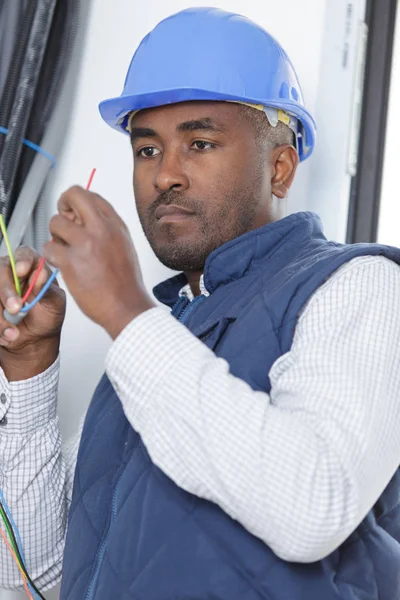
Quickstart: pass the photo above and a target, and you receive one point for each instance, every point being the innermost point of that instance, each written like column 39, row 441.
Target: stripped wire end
column 16, row 319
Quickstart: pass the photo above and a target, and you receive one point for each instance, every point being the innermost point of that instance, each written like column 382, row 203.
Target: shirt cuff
column 145, row 351
column 28, row 405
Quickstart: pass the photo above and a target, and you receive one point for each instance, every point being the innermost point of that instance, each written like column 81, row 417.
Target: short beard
column 234, row 218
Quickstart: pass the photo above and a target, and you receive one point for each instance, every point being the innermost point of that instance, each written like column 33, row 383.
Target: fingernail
column 22, row 267
column 13, row 304
column 10, row 334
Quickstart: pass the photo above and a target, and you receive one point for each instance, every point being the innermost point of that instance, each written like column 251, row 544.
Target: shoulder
column 357, row 278
column 364, row 266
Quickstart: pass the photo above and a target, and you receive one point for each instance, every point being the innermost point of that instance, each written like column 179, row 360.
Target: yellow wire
column 8, row 527
column 10, row 254
column 3, row 535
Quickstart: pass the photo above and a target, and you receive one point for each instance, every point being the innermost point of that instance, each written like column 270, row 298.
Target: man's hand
column 94, row 251
column 32, row 346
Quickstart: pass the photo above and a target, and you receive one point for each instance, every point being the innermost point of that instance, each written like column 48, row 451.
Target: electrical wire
column 89, row 183
column 3, row 535
column 66, row 24
column 27, row 307
column 14, row 70
column 17, row 552
column 34, row 147
column 11, row 535
column 10, row 254
column 23, row 100
column 40, row 267
column 34, row 280
column 14, row 528
column 60, row 42
column 17, row 545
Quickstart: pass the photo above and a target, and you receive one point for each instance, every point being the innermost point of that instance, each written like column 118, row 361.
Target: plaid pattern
column 299, row 468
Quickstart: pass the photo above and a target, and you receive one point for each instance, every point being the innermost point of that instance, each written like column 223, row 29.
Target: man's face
column 200, row 179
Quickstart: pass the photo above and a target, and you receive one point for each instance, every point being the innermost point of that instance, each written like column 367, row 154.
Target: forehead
column 225, row 114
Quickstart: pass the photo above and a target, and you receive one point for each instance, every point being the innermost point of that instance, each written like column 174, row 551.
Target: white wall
column 338, row 114
column 389, row 219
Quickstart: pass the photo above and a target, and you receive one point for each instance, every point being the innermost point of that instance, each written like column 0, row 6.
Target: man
column 246, row 446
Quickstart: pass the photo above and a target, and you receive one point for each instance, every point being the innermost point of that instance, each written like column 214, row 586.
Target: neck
column 193, row 278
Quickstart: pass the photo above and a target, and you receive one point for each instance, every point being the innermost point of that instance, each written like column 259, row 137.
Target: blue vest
column 133, row 534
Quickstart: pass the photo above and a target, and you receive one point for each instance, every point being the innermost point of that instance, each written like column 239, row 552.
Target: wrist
column 29, row 360
column 123, row 315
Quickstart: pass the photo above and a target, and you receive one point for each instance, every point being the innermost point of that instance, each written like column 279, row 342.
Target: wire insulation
column 34, row 280
column 4, row 507
column 42, row 261
column 89, row 183
column 42, row 292
column 10, row 254
column 34, row 147
column 11, row 535
column 28, row 292
column 3, row 535
column 17, row 546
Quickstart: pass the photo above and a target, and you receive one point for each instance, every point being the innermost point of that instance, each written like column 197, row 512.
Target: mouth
column 172, row 213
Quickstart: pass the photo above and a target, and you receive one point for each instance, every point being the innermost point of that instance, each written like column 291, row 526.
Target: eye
column 202, row 145
column 147, row 152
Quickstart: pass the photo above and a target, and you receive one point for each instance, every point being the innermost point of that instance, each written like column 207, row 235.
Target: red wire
column 89, row 183
column 42, row 260
column 34, row 280
column 3, row 535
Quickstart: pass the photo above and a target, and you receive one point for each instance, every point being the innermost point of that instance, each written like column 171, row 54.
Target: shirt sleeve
column 34, row 479
column 301, row 467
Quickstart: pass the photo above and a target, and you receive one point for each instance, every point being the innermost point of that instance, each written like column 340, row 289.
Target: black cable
column 13, row 75
column 58, row 50
column 15, row 544
column 18, row 554
column 20, row 112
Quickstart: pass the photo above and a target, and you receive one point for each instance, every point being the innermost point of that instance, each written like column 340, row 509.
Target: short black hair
column 268, row 136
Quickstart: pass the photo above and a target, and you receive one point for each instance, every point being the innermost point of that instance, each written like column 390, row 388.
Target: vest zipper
column 100, row 555
column 183, row 316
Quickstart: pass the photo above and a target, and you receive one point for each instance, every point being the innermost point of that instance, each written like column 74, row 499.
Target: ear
column 285, row 161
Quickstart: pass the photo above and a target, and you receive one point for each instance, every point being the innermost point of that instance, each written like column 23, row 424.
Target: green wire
column 11, row 536
column 10, row 254
column 15, row 547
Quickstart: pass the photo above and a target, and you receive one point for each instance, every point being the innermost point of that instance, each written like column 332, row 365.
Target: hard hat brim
column 114, row 111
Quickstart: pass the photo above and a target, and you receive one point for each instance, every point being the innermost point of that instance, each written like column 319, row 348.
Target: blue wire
column 32, row 591
column 13, row 525
column 35, row 147
column 17, row 536
column 42, row 292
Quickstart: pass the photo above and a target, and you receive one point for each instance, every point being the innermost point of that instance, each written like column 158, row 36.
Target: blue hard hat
column 210, row 54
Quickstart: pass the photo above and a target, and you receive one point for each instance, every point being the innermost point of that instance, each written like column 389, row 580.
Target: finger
column 77, row 201
column 104, row 207
column 56, row 254
column 54, row 297
column 8, row 333
column 65, row 230
column 27, row 265
column 53, row 300
column 26, row 261
column 83, row 206
column 8, row 294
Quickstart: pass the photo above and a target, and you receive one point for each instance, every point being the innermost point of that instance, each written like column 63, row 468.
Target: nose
column 171, row 173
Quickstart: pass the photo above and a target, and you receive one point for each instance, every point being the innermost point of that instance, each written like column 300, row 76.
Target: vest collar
column 236, row 258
